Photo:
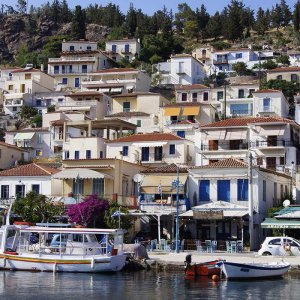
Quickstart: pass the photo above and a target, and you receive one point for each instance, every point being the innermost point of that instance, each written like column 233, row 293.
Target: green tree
column 286, row 15
column 283, row 59
column 51, row 108
column 240, row 68
column 296, row 16
column 184, row 14
column 276, row 16
column 78, row 23
column 22, row 6
column 131, row 20
column 37, row 208
column 27, row 112
column 269, row 64
column 213, row 28
column 37, row 121
column 25, row 56
column 262, row 22
column 191, row 29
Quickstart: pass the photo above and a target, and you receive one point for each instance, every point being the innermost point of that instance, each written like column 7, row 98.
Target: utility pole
column 225, row 102
column 250, row 201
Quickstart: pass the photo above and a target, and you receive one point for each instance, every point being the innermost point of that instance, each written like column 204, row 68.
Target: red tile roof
column 238, row 122
column 284, row 69
column 29, row 170
column 11, row 146
column 25, row 70
column 147, row 137
column 172, row 168
column 266, row 91
column 190, row 87
column 38, row 129
column 225, row 163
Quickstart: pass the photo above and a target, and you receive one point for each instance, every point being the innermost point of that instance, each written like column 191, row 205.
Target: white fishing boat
column 253, row 270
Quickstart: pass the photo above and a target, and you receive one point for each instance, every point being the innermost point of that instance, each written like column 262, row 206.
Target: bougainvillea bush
column 90, row 212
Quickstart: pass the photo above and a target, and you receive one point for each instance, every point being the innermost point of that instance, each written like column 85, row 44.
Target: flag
column 117, row 213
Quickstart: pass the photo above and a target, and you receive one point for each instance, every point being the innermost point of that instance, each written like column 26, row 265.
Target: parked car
column 279, row 245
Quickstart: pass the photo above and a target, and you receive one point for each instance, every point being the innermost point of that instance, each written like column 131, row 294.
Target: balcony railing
column 273, row 143
column 78, row 103
column 13, row 102
column 225, row 146
column 70, row 59
column 180, row 71
column 220, row 61
column 126, row 51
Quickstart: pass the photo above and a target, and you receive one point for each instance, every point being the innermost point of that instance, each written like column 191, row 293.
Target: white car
column 279, row 245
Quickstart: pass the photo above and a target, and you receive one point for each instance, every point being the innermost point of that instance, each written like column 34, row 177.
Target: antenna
column 286, row 203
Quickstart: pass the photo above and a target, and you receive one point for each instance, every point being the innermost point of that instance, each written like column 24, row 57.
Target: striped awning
column 172, row 111
column 78, row 173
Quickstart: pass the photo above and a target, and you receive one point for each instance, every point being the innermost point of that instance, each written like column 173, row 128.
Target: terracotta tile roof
column 190, row 87
column 147, row 137
column 134, row 94
column 284, row 69
column 238, row 122
column 79, row 52
column 172, row 168
column 58, row 122
column 11, row 146
column 25, row 70
column 267, row 91
column 29, row 170
column 116, row 70
column 183, row 104
column 30, row 129
column 225, row 163
column 128, row 114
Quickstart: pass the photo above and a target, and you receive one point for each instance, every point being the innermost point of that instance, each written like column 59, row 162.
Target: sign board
column 208, row 215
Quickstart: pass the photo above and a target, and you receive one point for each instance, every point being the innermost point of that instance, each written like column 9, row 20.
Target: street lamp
column 177, row 184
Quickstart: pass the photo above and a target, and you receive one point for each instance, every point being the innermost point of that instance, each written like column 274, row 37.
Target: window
column 205, row 96
column 126, row 48
column 194, row 97
column 38, row 102
column 251, row 91
column 10, row 87
column 204, row 190
column 70, row 69
column 35, row 188
column 64, row 81
column 88, row 48
column 126, row 106
column 84, row 68
column 56, row 69
column 145, row 153
column 88, row 154
column 272, row 140
column 72, row 48
column 213, row 144
column 281, row 191
column 125, row 150
column 38, row 152
column 275, row 242
column 239, row 55
column 282, row 159
column 114, row 48
column 20, row 191
column 294, row 77
column 184, row 97
column 4, row 191
column 220, row 95
column 242, row 186
column 40, row 138
column 271, row 163
column 172, row 149
column 181, row 133
column 101, row 154
column 27, row 76
column 241, row 94
column 224, row 190
column 279, row 77
column 76, row 156
column 139, row 123
column 78, row 186
column 266, row 104
column 264, row 190
column 98, row 186
column 67, row 154
column 239, row 109
column 77, row 82
column 158, row 153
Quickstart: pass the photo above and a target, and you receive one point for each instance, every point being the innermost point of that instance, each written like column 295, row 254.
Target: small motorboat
column 253, row 270
column 209, row 268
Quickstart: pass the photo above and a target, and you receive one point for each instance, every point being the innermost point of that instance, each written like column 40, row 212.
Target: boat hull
column 248, row 271
column 203, row 269
column 63, row 264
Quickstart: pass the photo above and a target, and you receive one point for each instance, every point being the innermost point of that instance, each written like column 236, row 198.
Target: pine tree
column 262, row 22
column 276, row 16
column 286, row 14
column 78, row 24
column 22, row 6
column 131, row 20
column 296, row 16
column 213, row 28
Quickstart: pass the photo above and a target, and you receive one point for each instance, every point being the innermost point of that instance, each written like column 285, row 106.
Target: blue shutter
column 145, row 153
column 224, row 190
column 204, row 192
column 242, row 189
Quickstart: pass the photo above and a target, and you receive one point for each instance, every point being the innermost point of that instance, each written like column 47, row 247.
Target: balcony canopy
column 172, row 111
column 80, row 173
column 21, row 136
column 285, row 224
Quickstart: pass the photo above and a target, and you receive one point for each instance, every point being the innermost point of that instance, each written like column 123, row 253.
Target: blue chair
column 228, row 247
column 233, row 247
column 208, row 246
column 239, row 245
column 182, row 245
column 199, row 247
column 214, row 245
column 153, row 245
column 162, row 244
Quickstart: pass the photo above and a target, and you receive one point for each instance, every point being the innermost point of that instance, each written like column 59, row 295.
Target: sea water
column 139, row 285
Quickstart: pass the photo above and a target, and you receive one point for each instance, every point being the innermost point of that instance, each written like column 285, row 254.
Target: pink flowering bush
column 90, row 212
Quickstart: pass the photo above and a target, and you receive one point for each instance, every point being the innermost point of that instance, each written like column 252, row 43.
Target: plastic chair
column 214, row 245
column 182, row 245
column 153, row 245
column 208, row 246
column 162, row 244
column 228, row 247
column 239, row 245
column 233, row 247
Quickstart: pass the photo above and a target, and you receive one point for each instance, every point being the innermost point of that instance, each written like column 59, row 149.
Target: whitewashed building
column 123, row 49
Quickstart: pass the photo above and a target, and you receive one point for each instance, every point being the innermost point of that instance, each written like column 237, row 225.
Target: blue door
column 77, row 82
column 145, row 153
column 114, row 48
column 204, row 192
column 126, row 48
column 224, row 190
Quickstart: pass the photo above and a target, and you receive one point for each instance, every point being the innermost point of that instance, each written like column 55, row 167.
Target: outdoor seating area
column 208, row 246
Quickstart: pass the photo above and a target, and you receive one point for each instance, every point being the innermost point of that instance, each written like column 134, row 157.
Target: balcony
column 126, row 51
column 220, row 61
column 17, row 102
column 273, row 143
column 242, row 112
column 78, row 103
column 267, row 109
column 180, row 71
column 225, row 146
column 72, row 59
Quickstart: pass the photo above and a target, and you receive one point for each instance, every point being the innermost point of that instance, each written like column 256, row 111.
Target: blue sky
column 150, row 6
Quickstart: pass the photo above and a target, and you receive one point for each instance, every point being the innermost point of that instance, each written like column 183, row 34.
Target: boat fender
column 11, row 252
column 92, row 263
column 187, row 262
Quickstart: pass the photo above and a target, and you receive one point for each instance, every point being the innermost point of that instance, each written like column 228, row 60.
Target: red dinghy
column 209, row 268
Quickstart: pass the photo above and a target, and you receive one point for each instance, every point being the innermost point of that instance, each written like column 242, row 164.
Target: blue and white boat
column 253, row 270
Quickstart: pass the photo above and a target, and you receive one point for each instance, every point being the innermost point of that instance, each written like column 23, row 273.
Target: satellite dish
column 137, row 178
column 286, row 203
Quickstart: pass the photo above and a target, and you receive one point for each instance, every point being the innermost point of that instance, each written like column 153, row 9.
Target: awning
column 152, row 184
column 214, row 214
column 191, row 111
column 78, row 173
column 172, row 111
column 149, row 144
column 116, row 90
column 270, row 130
column 285, row 224
column 236, row 134
column 104, row 90
column 213, row 134
column 24, row 136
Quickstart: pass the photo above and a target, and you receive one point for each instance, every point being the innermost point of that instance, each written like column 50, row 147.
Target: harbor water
column 139, row 285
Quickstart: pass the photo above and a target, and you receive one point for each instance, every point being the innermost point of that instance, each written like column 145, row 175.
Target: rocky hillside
column 16, row 30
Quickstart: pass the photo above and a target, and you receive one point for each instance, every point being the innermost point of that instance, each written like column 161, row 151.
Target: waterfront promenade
column 171, row 258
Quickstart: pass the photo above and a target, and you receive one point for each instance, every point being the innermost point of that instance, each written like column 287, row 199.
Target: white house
column 152, row 149
column 18, row 181
column 220, row 195
column 123, row 49
column 181, row 69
